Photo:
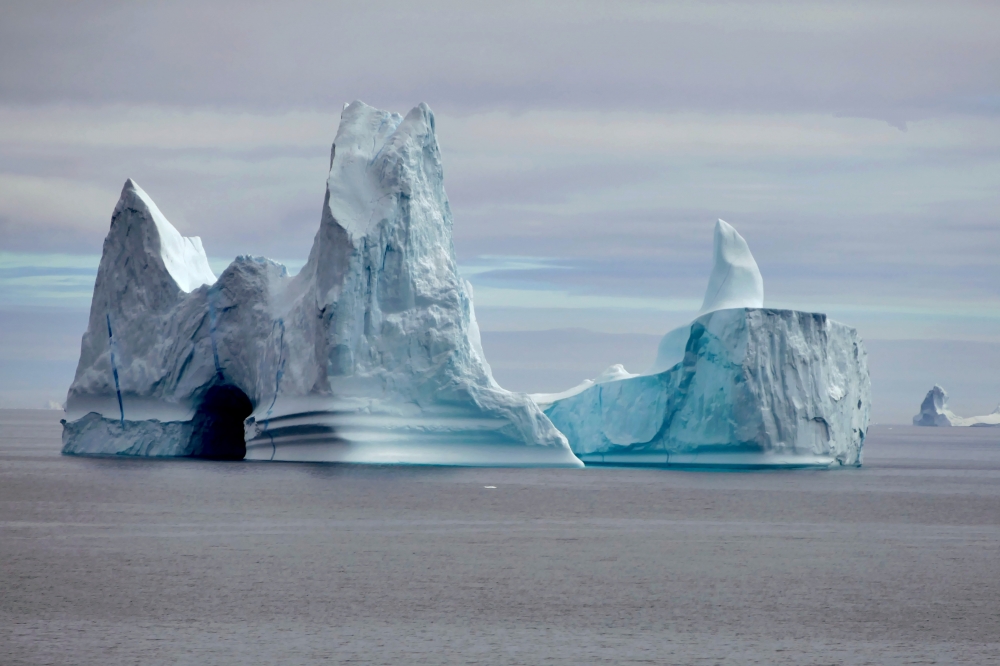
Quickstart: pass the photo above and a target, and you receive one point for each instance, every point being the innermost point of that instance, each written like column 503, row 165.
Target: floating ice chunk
column 740, row 386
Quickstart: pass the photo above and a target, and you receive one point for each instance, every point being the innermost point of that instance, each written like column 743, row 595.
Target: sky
column 588, row 149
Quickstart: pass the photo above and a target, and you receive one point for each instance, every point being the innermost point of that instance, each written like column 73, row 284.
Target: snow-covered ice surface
column 370, row 354
column 740, row 386
column 934, row 412
column 612, row 374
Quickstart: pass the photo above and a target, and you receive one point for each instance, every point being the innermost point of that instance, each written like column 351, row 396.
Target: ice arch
column 217, row 427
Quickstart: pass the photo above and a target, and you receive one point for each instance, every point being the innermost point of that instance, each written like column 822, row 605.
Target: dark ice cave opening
column 218, row 425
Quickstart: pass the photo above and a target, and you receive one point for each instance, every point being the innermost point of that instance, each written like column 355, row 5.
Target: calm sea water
column 106, row 561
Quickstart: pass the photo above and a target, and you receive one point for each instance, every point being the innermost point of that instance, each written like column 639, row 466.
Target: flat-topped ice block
column 755, row 388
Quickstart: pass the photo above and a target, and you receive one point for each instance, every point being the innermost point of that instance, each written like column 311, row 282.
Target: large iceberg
column 370, row 354
column 934, row 412
column 741, row 386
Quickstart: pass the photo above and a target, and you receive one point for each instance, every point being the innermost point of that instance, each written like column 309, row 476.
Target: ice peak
column 183, row 257
column 937, row 397
column 736, row 281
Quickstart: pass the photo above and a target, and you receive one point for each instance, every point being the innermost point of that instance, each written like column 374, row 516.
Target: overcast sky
column 588, row 147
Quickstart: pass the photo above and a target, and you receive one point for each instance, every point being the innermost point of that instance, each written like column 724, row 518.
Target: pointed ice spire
column 146, row 269
column 735, row 283
column 183, row 258
column 735, row 280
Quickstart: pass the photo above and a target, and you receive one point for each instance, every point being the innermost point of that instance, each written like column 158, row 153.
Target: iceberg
column 934, row 412
column 371, row 354
column 741, row 386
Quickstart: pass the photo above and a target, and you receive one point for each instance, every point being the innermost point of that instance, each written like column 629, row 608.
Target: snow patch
column 183, row 257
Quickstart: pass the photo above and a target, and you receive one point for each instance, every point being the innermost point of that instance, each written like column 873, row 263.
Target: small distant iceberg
column 934, row 412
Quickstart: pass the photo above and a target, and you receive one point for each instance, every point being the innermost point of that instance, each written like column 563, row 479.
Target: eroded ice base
column 310, row 430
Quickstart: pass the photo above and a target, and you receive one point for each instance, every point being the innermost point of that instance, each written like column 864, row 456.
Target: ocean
column 127, row 561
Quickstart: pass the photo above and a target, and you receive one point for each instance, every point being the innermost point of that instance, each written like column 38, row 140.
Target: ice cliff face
column 755, row 387
column 370, row 354
column 934, row 412
column 740, row 386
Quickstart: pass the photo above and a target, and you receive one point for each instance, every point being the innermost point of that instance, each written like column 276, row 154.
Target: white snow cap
column 736, row 280
column 183, row 257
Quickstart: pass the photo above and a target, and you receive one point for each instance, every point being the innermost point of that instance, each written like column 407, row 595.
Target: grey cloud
column 846, row 210
column 893, row 61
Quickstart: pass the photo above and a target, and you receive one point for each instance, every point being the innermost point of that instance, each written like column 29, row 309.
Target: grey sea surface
column 128, row 561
